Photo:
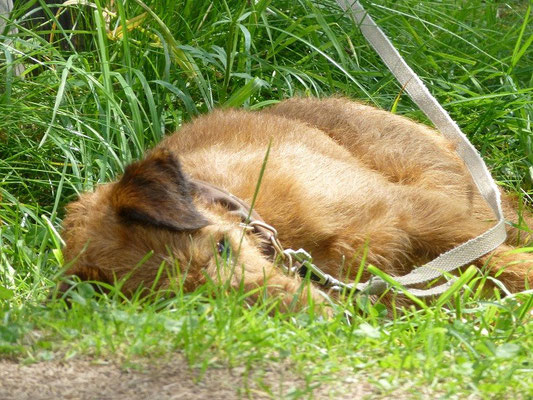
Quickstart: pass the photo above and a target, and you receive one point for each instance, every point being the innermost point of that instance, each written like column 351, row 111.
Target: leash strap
column 413, row 85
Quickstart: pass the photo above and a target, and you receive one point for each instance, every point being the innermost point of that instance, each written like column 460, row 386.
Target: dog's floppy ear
column 155, row 192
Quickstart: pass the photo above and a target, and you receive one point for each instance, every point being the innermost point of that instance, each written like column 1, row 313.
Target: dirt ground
column 88, row 380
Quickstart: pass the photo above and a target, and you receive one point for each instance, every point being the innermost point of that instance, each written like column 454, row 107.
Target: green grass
column 95, row 97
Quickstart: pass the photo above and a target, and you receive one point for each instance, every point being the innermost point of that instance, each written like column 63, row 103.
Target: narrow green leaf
column 457, row 285
column 185, row 98
column 59, row 96
column 244, row 93
column 6, row 294
column 390, row 280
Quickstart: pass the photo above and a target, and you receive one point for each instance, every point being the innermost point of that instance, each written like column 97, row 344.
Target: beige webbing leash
column 474, row 248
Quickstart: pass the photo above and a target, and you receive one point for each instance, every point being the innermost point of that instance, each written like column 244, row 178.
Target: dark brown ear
column 155, row 192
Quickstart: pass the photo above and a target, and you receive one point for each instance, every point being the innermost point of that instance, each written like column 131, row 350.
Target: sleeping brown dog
column 341, row 177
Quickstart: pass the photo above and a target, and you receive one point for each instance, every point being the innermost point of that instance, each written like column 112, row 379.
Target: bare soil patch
column 88, row 380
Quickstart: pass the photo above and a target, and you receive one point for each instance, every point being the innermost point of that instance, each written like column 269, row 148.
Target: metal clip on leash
column 299, row 262
column 318, row 276
column 374, row 286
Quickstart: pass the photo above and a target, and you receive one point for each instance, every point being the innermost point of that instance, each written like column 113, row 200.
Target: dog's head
column 153, row 220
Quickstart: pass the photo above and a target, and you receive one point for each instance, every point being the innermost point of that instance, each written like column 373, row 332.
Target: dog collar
column 250, row 218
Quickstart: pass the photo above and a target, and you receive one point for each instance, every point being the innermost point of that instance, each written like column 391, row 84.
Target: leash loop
column 419, row 93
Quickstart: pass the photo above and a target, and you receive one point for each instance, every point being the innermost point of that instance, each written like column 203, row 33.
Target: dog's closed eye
column 224, row 248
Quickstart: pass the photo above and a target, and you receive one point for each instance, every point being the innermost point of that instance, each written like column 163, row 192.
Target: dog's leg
column 434, row 225
column 428, row 225
column 264, row 280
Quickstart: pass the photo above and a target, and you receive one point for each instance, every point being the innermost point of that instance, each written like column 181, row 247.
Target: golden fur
column 341, row 176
